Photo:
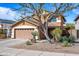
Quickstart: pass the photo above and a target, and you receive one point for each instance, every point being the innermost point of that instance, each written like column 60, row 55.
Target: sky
column 6, row 12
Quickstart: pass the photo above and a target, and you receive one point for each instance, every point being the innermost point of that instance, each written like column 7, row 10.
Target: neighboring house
column 77, row 27
column 6, row 25
column 23, row 29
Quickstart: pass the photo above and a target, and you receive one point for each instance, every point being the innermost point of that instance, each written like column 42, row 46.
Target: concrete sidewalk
column 6, row 51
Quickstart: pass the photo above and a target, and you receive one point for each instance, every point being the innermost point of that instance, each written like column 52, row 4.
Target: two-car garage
column 23, row 30
column 23, row 33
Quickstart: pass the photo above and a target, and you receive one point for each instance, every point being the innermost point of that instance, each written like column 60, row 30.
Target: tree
column 70, row 26
column 63, row 8
column 40, row 16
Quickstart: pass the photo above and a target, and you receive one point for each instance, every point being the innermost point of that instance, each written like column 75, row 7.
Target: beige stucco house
column 23, row 29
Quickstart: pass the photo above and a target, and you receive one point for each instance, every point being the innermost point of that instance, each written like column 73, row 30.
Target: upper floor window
column 53, row 19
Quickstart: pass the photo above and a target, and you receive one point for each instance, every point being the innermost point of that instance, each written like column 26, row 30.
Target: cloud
column 76, row 11
column 7, row 13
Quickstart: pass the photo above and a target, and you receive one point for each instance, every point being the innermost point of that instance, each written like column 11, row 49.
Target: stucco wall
column 19, row 27
column 73, row 32
column 23, row 25
column 77, row 25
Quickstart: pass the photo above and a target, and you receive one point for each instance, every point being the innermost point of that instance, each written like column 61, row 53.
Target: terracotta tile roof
column 52, row 24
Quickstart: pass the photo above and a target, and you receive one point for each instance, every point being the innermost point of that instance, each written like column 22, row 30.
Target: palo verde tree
column 40, row 16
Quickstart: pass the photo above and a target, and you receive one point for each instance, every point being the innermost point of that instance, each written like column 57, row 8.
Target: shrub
column 67, row 41
column 28, row 42
column 65, row 33
column 62, row 38
column 71, row 39
column 56, row 33
column 3, row 31
column 35, row 33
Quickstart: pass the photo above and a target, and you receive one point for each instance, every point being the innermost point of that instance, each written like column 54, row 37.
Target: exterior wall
column 73, row 32
column 23, row 25
column 19, row 27
column 77, row 25
column 53, row 24
column 58, row 20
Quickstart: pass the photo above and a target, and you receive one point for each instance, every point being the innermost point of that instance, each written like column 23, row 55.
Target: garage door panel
column 23, row 33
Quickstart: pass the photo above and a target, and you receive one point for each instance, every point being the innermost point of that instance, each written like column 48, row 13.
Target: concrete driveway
column 10, row 42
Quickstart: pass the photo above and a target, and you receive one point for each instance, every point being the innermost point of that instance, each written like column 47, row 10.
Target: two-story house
column 6, row 25
column 23, row 29
column 77, row 27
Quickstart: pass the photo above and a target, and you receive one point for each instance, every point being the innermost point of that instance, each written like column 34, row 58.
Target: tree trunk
column 46, row 34
column 47, row 37
column 45, row 31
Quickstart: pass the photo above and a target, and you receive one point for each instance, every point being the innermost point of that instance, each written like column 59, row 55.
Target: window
column 53, row 19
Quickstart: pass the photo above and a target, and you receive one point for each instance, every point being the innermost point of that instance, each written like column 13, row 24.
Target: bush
column 67, row 41
column 29, row 43
column 65, row 33
column 2, row 31
column 35, row 33
column 70, row 39
column 56, row 33
column 61, row 39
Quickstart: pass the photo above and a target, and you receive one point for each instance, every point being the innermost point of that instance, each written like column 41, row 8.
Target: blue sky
column 5, row 8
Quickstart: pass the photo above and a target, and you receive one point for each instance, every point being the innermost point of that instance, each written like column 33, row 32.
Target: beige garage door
column 23, row 33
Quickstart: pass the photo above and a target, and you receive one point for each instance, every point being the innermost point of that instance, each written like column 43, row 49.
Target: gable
column 22, row 23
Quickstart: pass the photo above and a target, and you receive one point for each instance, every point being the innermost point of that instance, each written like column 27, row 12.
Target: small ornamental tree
column 56, row 33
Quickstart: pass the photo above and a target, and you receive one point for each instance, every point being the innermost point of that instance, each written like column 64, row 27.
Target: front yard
column 45, row 46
